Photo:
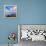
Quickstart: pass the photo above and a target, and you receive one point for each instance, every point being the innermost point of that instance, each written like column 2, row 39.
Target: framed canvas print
column 10, row 10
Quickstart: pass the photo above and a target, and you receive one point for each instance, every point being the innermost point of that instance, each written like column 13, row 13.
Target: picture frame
column 10, row 10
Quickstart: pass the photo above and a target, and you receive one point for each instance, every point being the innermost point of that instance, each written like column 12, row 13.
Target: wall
column 33, row 11
column 7, row 25
column 28, row 12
